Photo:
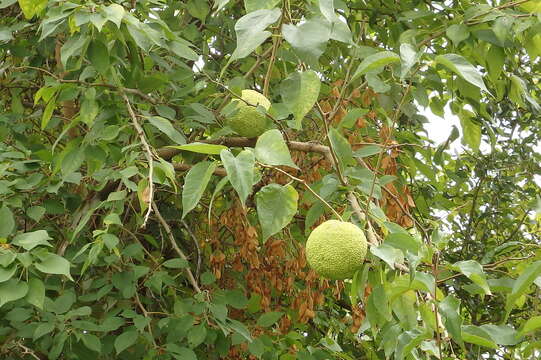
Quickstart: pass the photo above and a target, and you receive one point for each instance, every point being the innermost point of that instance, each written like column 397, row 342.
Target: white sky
column 438, row 130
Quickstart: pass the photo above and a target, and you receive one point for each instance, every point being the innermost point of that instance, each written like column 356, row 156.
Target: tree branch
column 174, row 244
column 148, row 153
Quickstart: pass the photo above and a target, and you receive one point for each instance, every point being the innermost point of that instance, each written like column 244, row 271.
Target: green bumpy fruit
column 247, row 121
column 336, row 249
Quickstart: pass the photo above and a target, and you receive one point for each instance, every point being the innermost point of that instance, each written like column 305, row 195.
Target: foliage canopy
column 134, row 224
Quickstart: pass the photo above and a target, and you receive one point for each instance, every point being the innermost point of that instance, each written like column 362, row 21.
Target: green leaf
column 257, row 348
column 410, row 340
column 450, row 311
column 182, row 50
column 495, row 61
column 54, row 264
column 530, row 325
column 197, row 335
column 389, row 254
column 390, row 339
column 98, row 54
column 501, row 334
column 402, row 241
column 195, row 184
column 339, row 30
column 519, row 91
column 139, row 36
column 216, row 191
column 72, row 47
column 240, row 171
column 309, row 39
column 201, row 148
column 48, row 113
column 167, row 128
column 404, row 307
column 367, row 150
column 43, row 329
column 98, row 20
column 240, row 328
column 181, row 353
column 300, row 92
column 276, row 206
column 6, row 274
column 376, row 61
column 474, row 271
column 409, row 57
column 32, row 7
column 125, row 340
column 7, row 225
column 198, row 9
column 5, row 35
column 34, row 212
column 457, row 33
column 116, row 196
column 331, row 344
column 521, row 285
column 30, row 240
column 502, row 27
column 476, row 335
column 271, row 149
column 341, row 147
column 6, row 3
column 36, row 292
column 251, row 33
column 460, row 66
column 269, row 319
column 253, row 5
column 177, row 263
column 6, row 257
column 471, row 131
column 423, row 281
column 72, row 161
column 207, row 278
column 114, row 13
column 92, row 342
column 236, row 299
column 532, row 7
column 12, row 290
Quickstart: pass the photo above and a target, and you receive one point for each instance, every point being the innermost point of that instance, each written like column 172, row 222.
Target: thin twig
column 79, row 82
column 232, row 94
column 499, row 262
column 380, row 156
column 397, row 201
column 146, row 314
column 435, row 260
column 28, row 351
column 247, row 75
column 275, row 45
column 198, row 268
column 148, row 153
column 174, row 244
column 303, row 182
column 517, row 228
column 472, row 210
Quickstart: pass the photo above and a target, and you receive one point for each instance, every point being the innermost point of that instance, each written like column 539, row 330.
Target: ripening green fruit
column 336, row 249
column 248, row 121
